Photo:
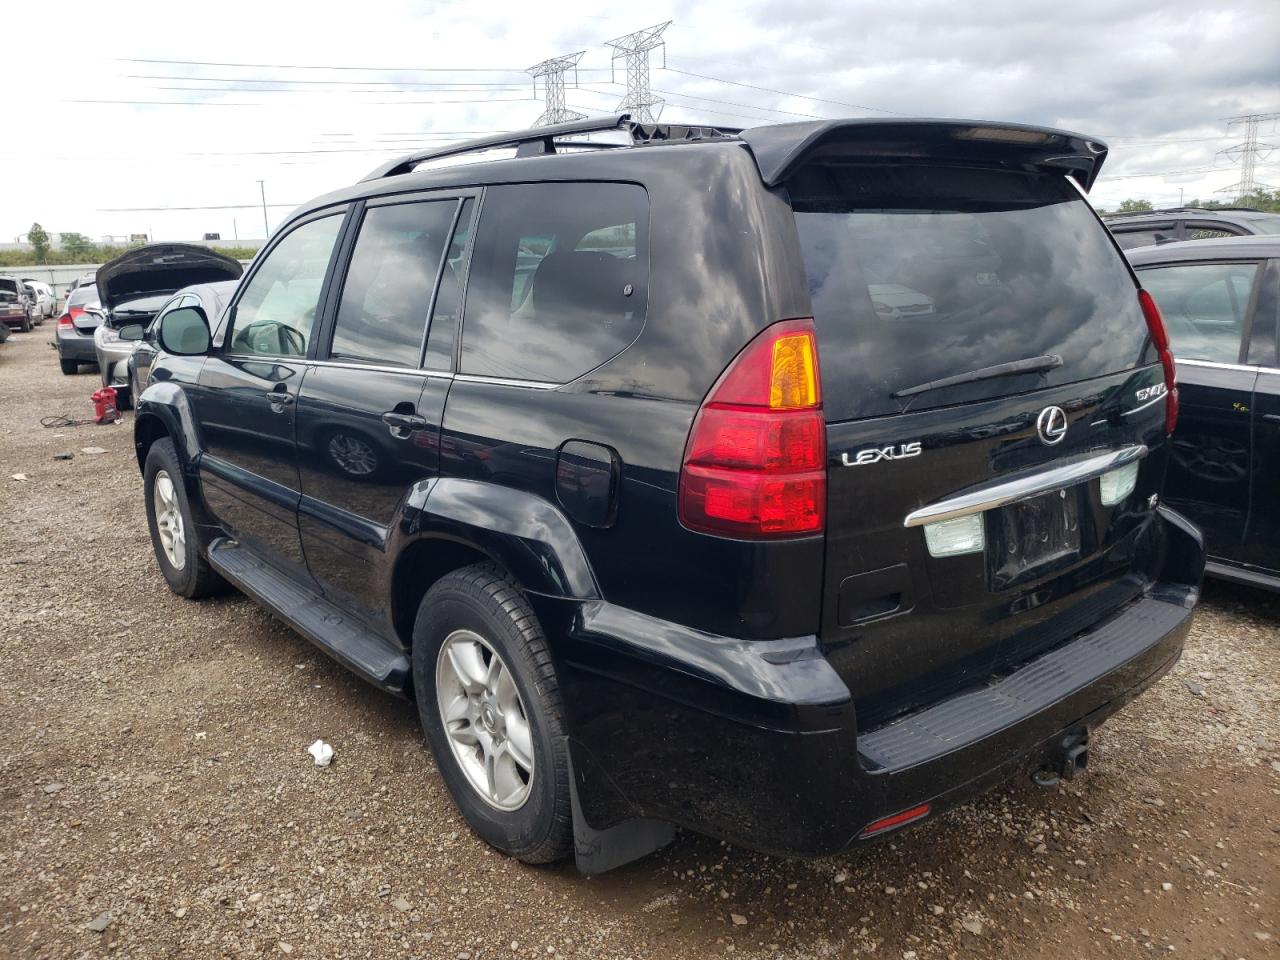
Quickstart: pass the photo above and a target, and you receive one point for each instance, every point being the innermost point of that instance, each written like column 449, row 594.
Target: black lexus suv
column 789, row 484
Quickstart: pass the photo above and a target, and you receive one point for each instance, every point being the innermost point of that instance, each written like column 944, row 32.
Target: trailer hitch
column 1067, row 760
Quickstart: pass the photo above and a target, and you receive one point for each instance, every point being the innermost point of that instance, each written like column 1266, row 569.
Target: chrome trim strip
column 503, row 382
column 345, row 365
column 1023, row 488
column 1213, row 364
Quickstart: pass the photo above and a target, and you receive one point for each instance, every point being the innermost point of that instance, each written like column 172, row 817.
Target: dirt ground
column 157, row 800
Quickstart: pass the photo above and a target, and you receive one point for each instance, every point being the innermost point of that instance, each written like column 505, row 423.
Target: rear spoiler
column 781, row 149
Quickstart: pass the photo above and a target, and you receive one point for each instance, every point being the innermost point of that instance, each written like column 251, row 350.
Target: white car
column 44, row 303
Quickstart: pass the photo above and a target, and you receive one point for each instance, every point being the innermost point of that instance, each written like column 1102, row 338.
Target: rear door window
column 382, row 316
column 558, row 279
column 1204, row 306
column 917, row 274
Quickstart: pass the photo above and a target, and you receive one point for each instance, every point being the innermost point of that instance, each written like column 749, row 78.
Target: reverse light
column 951, row 538
column 1160, row 340
column 896, row 820
column 1117, row 484
column 755, row 463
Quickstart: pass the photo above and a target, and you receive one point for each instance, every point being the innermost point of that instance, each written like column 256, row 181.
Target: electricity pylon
column 552, row 72
column 635, row 47
column 1248, row 152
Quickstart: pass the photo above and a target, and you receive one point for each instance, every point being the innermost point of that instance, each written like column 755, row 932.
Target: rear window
column 82, row 295
column 922, row 273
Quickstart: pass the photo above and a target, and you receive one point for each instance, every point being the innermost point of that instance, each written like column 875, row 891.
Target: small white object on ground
column 20, row 477
column 322, row 752
column 93, row 450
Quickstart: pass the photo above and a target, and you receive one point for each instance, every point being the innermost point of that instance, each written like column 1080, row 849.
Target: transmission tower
column 635, row 47
column 552, row 72
column 1248, row 152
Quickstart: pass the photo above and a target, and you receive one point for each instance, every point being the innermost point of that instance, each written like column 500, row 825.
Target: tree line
column 1268, row 200
column 77, row 248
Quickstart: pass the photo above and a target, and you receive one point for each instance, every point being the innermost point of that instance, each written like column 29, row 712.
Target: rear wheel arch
column 418, row 568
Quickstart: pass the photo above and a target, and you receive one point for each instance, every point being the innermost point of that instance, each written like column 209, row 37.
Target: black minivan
column 788, row 484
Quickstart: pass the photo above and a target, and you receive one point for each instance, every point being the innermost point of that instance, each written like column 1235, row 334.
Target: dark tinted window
column 922, row 273
column 444, row 318
column 382, row 316
column 1204, row 306
column 558, row 279
column 1128, row 239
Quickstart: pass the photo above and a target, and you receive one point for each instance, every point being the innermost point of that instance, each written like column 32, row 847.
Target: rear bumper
column 75, row 346
column 757, row 742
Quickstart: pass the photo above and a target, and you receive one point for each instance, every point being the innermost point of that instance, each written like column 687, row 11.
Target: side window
column 382, row 316
column 1128, row 239
column 1204, row 306
column 558, row 280
column 444, row 320
column 277, row 312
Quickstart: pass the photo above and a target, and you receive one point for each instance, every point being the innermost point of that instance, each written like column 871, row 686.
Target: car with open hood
column 135, row 287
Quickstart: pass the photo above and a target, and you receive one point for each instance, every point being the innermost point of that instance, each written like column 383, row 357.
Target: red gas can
column 104, row 405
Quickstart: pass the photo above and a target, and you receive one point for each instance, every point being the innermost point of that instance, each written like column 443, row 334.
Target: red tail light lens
column 1160, row 340
column 755, row 464
column 65, row 320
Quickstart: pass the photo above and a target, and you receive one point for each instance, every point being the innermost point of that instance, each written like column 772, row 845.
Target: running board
column 306, row 611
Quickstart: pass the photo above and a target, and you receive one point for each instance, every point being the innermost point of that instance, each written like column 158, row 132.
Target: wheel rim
column 173, row 535
column 354, row 456
column 485, row 720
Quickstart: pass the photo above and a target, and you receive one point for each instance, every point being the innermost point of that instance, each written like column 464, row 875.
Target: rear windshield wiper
column 1029, row 365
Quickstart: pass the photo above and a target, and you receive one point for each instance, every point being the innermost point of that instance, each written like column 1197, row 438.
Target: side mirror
column 184, row 332
column 133, row 331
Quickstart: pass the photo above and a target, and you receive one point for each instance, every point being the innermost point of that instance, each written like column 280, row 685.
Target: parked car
column 666, row 523
column 1189, row 223
column 45, row 304
column 209, row 297
column 134, row 287
column 15, row 304
column 74, row 334
column 1221, row 304
column 83, row 280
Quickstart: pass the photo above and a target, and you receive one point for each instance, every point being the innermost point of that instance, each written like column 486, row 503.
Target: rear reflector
column 897, row 820
column 755, row 464
column 1160, row 340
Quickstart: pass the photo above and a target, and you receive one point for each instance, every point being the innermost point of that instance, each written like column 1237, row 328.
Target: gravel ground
column 156, row 799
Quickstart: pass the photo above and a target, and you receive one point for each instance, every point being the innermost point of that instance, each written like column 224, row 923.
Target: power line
column 311, row 82
column 784, row 93
column 327, row 66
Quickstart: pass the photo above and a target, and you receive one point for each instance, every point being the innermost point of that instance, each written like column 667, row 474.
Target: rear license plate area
column 1034, row 537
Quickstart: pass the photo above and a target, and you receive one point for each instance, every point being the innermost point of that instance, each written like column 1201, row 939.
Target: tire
column 26, row 324
column 191, row 577
column 481, row 602
column 124, row 398
column 69, row 367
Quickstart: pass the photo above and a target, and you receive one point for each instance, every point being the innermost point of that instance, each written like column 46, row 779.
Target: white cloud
column 1154, row 78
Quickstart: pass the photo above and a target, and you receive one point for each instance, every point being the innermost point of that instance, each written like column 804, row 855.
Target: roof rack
column 539, row 141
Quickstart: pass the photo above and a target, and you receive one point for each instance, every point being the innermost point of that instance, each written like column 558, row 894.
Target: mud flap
column 596, row 851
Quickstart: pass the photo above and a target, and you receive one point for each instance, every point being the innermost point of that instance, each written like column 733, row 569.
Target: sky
column 136, row 110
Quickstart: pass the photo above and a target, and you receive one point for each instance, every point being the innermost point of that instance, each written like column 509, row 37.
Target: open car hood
column 160, row 268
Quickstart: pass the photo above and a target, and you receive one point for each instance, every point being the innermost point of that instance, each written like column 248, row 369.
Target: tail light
column 65, row 320
column 755, row 464
column 1160, row 340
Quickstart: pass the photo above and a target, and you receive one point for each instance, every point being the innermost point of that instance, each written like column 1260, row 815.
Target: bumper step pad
column 969, row 717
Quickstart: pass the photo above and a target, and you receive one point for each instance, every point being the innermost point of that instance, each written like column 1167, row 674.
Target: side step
column 343, row 638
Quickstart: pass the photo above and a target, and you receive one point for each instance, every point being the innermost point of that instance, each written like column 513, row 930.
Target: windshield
column 922, row 273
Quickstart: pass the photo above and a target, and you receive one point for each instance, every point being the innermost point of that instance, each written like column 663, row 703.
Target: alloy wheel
column 173, row 535
column 485, row 720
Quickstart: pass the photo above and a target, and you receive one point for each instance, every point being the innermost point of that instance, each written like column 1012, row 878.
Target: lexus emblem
column 1051, row 425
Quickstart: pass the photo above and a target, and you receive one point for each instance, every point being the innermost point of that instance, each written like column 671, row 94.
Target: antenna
column 639, row 100
column 552, row 72
column 1248, row 152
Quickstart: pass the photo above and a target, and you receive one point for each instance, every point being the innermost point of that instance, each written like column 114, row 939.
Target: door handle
column 1271, row 417
column 402, row 424
column 279, row 399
